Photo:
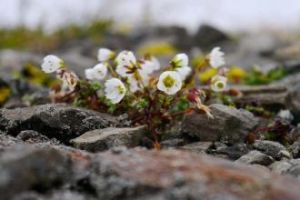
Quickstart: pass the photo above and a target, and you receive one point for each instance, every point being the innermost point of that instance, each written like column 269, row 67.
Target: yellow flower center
column 220, row 84
column 169, row 81
column 120, row 89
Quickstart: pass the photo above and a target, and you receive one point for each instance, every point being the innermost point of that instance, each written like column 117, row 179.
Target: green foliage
column 38, row 40
column 181, row 105
column 257, row 77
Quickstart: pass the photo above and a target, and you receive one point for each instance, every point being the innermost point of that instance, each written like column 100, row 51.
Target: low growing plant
column 121, row 83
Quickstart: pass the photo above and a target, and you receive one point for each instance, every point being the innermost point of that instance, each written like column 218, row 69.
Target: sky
column 226, row 14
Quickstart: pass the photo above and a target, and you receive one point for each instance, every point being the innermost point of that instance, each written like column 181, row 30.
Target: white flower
column 169, row 82
column 51, row 64
column 105, row 54
column 98, row 72
column 149, row 66
column 180, row 60
column 184, row 72
column 114, row 90
column 125, row 58
column 218, row 83
column 216, row 58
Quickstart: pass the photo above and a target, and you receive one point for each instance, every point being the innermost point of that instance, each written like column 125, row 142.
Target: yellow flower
column 207, row 75
column 235, row 74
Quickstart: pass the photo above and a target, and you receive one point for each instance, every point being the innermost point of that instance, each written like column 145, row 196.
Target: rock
column 103, row 139
column 51, row 173
column 274, row 149
column 292, row 66
column 30, row 136
column 256, row 157
column 54, row 120
column 295, row 147
column 207, row 37
column 291, row 82
column 12, row 60
column 24, row 168
column 228, row 124
column 142, row 174
column 231, row 152
column 271, row 97
column 287, row 167
column 7, row 141
column 197, row 147
column 172, row 143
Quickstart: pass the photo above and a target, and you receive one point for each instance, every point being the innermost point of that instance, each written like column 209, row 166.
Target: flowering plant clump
column 121, row 83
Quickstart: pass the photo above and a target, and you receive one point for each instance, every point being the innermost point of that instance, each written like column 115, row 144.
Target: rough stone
column 142, row 174
column 103, row 139
column 51, row 173
column 24, row 168
column 274, row 149
column 229, row 124
column 256, row 157
column 54, row 120
column 172, row 143
column 197, row 147
column 231, row 152
column 30, row 136
column 287, row 167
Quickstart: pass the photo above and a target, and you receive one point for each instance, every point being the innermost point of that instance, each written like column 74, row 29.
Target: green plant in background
column 121, row 83
column 256, row 77
column 38, row 40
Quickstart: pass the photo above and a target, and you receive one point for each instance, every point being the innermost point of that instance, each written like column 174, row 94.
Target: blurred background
column 256, row 34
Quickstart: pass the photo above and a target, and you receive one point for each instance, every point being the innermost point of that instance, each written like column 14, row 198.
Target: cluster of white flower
column 53, row 64
column 136, row 73
column 216, row 60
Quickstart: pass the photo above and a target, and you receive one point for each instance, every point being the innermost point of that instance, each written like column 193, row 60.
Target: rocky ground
column 60, row 152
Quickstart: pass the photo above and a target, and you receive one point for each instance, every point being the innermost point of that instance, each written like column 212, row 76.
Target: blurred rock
column 231, row 152
column 54, row 120
column 24, row 168
column 274, row 149
column 207, row 37
column 256, row 157
column 197, row 147
column 172, row 143
column 103, row 139
column 270, row 97
column 229, row 124
column 287, row 167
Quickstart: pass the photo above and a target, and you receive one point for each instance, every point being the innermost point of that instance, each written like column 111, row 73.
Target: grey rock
column 103, row 139
column 13, row 60
column 8, row 141
column 256, row 157
column 274, row 149
column 208, row 36
column 25, row 167
column 287, row 167
column 291, row 82
column 229, row 124
column 197, row 147
column 268, row 96
column 30, row 136
column 172, row 143
column 231, row 152
column 54, row 120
